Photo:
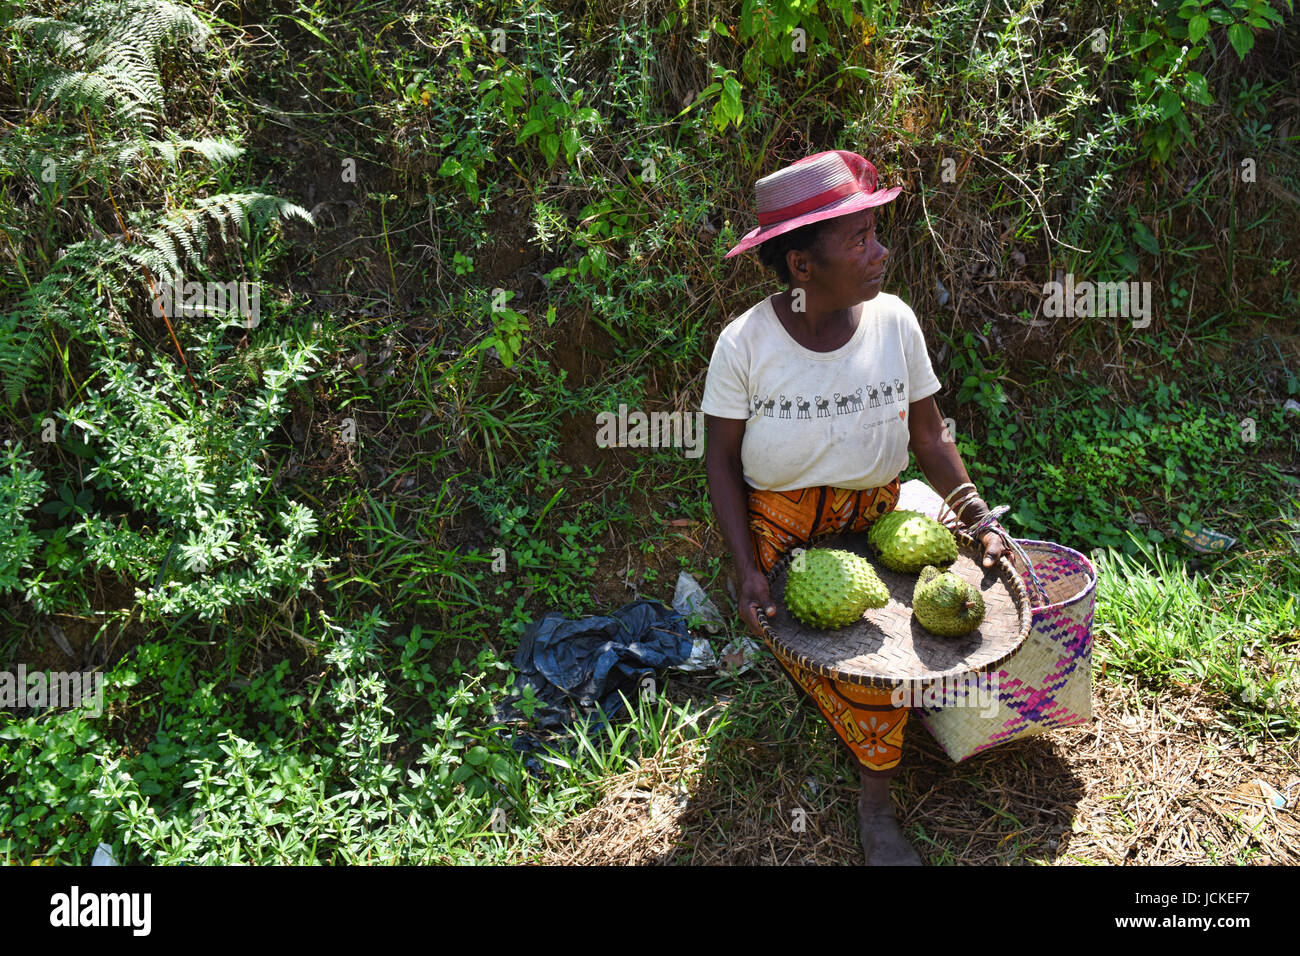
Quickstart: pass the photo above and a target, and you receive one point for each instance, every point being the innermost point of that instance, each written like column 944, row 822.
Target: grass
column 445, row 448
column 1234, row 632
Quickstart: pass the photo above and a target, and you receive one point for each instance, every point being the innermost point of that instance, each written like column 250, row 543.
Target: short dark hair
column 807, row 238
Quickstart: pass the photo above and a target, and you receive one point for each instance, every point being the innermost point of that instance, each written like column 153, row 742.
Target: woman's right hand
column 754, row 594
column 728, row 489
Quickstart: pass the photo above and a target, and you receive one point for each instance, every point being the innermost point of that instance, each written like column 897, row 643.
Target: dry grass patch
column 1156, row 779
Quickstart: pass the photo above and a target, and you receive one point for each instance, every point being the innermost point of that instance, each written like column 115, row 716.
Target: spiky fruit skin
column 885, row 525
column 916, row 540
column 946, row 605
column 827, row 588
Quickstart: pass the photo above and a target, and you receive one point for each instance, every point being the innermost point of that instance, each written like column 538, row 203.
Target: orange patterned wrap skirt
column 864, row 719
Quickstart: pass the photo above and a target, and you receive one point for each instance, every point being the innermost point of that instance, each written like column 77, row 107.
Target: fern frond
column 188, row 228
column 67, row 38
column 155, row 20
column 124, row 158
column 107, row 50
column 24, row 350
column 215, row 151
column 99, row 89
column 159, row 256
column 228, row 209
column 159, row 246
column 115, row 42
column 259, row 208
column 133, row 64
column 194, row 244
column 64, row 297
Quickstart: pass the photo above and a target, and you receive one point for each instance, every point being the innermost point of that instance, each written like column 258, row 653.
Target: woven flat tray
column 889, row 647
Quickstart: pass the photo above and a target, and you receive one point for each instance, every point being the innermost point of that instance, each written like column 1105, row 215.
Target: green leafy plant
column 556, row 572
column 729, row 109
column 21, row 490
column 210, row 546
column 1174, row 36
column 141, row 440
column 786, row 31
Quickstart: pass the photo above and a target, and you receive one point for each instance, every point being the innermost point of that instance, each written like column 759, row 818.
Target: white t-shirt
column 821, row 418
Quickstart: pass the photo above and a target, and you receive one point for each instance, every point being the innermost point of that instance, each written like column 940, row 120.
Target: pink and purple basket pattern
column 1045, row 685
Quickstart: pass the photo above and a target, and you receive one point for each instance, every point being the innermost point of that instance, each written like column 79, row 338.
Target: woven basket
column 887, row 648
column 1047, row 683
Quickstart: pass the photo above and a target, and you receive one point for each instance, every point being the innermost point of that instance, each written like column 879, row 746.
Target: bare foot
column 883, row 843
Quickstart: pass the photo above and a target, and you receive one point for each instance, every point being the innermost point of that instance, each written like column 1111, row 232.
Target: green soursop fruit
column 909, row 544
column 827, row 588
column 885, row 525
column 946, row 605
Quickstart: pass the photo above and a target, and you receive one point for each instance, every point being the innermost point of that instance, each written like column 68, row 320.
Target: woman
column 812, row 401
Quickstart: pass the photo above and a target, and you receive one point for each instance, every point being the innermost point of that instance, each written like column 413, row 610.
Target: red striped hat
column 821, row 186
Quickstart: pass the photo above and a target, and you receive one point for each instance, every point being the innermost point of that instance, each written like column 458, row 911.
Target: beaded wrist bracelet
column 988, row 522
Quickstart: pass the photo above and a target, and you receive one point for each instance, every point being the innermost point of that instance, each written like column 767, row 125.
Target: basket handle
column 1034, row 584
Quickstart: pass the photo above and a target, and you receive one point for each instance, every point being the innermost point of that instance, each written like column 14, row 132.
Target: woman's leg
column 864, row 719
column 882, row 841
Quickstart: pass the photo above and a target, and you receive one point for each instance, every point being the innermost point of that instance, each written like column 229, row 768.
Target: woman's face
column 849, row 263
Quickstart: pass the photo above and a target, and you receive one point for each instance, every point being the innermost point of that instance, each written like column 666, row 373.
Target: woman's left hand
column 994, row 544
column 993, row 548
